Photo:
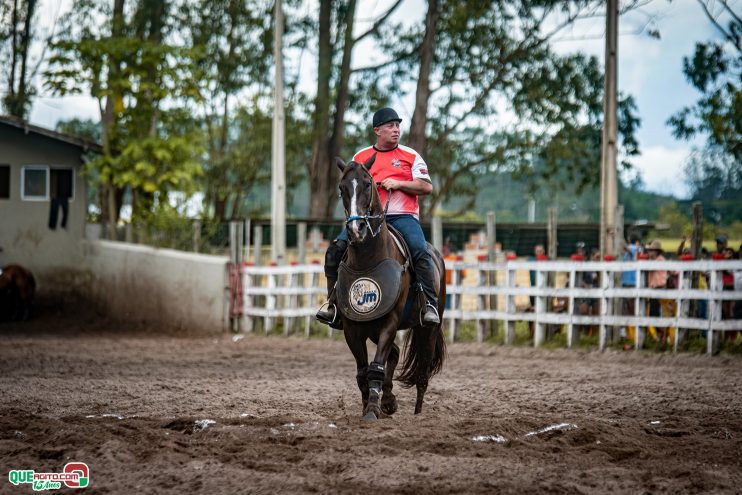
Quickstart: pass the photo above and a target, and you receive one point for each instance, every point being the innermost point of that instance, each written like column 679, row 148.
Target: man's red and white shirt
column 400, row 163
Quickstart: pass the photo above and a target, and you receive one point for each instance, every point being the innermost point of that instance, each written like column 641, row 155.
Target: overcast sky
column 649, row 69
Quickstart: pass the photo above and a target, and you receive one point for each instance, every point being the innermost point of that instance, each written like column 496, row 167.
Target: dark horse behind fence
column 376, row 298
column 17, row 288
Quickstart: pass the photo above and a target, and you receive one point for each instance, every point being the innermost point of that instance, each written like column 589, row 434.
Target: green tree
column 715, row 70
column 477, row 57
column 132, row 64
column 333, row 97
column 231, row 41
column 17, row 33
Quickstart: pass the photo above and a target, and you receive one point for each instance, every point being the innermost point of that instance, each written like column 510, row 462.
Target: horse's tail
column 425, row 352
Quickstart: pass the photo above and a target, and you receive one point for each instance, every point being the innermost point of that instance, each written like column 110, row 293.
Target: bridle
column 368, row 216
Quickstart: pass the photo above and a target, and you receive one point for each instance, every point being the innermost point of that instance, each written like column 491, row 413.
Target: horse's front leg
column 356, row 341
column 377, row 371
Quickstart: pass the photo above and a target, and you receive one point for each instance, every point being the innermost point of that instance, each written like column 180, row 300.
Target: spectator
column 657, row 278
column 538, row 251
column 628, row 279
column 728, row 307
column 447, row 248
column 681, row 247
column 580, row 253
column 721, row 243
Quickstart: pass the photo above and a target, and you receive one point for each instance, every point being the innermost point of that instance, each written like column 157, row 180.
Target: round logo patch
column 365, row 295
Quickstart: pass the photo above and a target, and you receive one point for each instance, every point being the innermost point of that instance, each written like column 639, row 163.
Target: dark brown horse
column 17, row 288
column 372, row 253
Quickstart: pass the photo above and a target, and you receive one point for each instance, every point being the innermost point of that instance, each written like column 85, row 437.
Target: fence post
column 301, row 242
column 640, row 309
column 247, row 283
column 681, row 306
column 551, row 234
column 540, row 328
column 235, row 255
column 312, row 302
column 292, row 280
column 492, row 258
column 607, row 281
column 510, row 306
column 453, row 323
column 436, row 225
column 481, row 300
column 270, row 301
column 571, row 334
column 714, row 310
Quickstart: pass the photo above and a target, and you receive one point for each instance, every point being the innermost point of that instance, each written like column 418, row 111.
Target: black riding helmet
column 385, row 115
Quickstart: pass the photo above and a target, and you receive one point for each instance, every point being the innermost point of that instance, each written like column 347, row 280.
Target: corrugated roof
column 84, row 144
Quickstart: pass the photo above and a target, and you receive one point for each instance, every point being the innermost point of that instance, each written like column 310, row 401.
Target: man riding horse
column 402, row 173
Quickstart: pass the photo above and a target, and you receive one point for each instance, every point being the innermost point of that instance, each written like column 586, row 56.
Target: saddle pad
column 369, row 294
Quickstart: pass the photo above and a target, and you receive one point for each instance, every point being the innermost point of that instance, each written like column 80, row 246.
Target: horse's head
column 360, row 199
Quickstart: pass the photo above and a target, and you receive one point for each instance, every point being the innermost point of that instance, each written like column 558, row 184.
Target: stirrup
column 435, row 311
column 320, row 316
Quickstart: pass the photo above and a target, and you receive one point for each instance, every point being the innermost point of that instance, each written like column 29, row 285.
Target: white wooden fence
column 293, row 293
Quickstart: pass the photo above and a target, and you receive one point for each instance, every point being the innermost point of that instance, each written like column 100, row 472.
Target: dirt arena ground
column 130, row 401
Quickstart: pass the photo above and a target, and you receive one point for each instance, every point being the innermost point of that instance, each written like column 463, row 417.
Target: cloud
column 47, row 111
column 661, row 168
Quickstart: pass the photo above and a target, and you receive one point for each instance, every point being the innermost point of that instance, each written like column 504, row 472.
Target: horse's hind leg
column 388, row 400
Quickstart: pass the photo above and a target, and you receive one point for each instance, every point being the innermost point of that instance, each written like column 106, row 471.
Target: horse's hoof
column 370, row 416
column 389, row 407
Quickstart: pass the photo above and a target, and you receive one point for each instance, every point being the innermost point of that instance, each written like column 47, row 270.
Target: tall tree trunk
column 338, row 130
column 22, row 104
column 418, row 139
column 321, row 170
column 108, row 117
column 13, row 52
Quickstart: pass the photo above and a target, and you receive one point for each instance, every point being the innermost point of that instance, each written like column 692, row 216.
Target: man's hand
column 418, row 187
column 390, row 184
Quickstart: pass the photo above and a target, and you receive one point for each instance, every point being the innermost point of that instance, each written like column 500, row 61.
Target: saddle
column 370, row 294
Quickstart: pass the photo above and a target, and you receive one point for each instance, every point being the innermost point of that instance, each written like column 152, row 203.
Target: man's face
column 720, row 246
column 539, row 251
column 652, row 254
column 387, row 134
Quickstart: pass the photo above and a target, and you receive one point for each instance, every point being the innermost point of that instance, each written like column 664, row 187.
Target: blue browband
column 367, row 217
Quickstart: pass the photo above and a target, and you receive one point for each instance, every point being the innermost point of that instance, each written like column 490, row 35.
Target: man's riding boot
column 426, row 276
column 327, row 314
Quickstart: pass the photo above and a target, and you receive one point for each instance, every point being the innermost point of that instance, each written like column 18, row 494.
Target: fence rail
column 293, row 293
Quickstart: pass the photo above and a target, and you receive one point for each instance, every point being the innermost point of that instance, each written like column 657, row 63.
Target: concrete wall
column 160, row 286
column 24, row 233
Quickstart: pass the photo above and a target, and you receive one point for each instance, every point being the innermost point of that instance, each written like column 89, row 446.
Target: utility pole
column 278, row 162
column 609, row 242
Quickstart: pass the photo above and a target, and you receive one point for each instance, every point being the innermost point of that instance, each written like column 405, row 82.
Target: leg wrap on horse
column 375, row 372
column 362, row 377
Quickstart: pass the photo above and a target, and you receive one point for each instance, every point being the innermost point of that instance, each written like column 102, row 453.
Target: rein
column 368, row 217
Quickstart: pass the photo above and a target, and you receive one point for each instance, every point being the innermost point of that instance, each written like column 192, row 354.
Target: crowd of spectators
column 658, row 279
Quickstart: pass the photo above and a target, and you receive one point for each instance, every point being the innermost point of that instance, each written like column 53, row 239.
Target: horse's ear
column 340, row 163
column 370, row 162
